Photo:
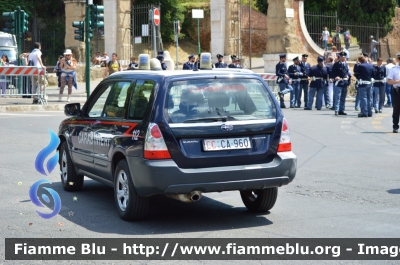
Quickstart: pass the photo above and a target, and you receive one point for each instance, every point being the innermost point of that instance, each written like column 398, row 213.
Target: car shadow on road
column 394, row 191
column 94, row 209
column 377, row 132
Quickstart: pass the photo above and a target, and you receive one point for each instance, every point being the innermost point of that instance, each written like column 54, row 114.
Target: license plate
column 226, row 144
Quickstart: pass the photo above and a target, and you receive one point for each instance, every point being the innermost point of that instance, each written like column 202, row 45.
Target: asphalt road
column 347, row 185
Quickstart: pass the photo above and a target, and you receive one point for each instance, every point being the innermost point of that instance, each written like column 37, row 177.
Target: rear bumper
column 165, row 177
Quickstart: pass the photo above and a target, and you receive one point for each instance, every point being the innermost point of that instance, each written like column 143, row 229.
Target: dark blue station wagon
column 178, row 133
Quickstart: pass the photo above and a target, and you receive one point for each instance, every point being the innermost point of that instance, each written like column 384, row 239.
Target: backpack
column 109, row 63
column 347, row 36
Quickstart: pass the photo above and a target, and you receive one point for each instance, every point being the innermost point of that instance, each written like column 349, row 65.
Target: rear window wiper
column 209, row 119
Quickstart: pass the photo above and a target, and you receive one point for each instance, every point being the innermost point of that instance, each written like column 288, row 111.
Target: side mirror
column 72, row 109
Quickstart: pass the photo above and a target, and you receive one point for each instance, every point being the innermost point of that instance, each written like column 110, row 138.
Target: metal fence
column 141, row 29
column 52, row 43
column 25, row 81
column 360, row 34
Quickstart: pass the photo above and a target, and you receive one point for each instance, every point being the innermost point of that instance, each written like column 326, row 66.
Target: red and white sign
column 179, row 27
column 156, row 16
column 19, row 70
column 268, row 76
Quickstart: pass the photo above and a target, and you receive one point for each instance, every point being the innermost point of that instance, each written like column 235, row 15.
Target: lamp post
column 198, row 13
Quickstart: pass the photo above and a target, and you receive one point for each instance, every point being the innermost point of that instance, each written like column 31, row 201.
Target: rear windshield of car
column 208, row 100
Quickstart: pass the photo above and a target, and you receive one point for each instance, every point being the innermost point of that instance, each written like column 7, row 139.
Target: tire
column 259, row 200
column 70, row 180
column 130, row 206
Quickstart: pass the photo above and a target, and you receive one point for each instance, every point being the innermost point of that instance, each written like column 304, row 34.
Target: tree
column 262, row 6
column 371, row 11
column 170, row 10
column 320, row 5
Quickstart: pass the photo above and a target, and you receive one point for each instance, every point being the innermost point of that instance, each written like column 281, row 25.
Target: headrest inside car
column 218, row 99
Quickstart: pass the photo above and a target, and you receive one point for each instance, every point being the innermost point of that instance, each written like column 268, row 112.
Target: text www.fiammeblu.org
column 234, row 249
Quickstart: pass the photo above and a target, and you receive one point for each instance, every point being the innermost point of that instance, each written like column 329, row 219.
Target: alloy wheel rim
column 64, row 169
column 252, row 195
column 122, row 190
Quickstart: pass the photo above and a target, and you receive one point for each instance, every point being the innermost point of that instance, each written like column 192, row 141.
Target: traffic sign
column 179, row 27
column 156, row 16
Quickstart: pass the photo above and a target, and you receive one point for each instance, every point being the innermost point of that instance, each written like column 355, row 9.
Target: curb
column 53, row 107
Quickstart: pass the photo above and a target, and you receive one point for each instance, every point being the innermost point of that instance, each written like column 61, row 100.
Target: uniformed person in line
column 341, row 72
column 365, row 71
column 379, row 86
column 328, row 93
column 357, row 76
column 337, row 59
column 305, row 69
column 220, row 63
column 366, row 56
column 295, row 75
column 237, row 63
column 233, row 58
column 394, row 79
column 319, row 76
column 161, row 59
column 283, row 79
column 189, row 65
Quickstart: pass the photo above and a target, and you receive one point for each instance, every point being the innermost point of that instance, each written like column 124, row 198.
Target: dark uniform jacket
column 221, row 65
column 341, row 69
column 188, row 66
column 305, row 69
column 380, row 74
column 318, row 72
column 232, row 65
column 163, row 66
column 281, row 71
column 294, row 72
column 366, row 72
column 355, row 71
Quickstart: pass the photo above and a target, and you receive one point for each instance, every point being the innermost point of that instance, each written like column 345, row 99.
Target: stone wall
column 258, row 33
column 74, row 11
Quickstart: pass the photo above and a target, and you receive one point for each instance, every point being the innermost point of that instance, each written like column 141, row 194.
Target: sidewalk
column 8, row 104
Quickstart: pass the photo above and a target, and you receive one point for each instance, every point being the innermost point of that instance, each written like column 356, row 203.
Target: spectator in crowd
column 388, row 87
column 332, row 54
column 347, row 38
column 105, row 59
column 3, row 62
column 133, row 65
column 112, row 66
column 372, row 47
column 26, row 80
column 325, row 38
column 57, row 70
column 68, row 74
column 97, row 60
column 336, row 39
column 35, row 59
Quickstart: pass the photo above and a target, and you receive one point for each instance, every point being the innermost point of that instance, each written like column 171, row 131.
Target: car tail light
column 284, row 143
column 154, row 145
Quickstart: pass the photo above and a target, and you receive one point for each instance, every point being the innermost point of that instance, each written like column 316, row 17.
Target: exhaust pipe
column 194, row 196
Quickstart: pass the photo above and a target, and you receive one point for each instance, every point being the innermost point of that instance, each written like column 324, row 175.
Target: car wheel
column 259, row 200
column 130, row 205
column 70, row 180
